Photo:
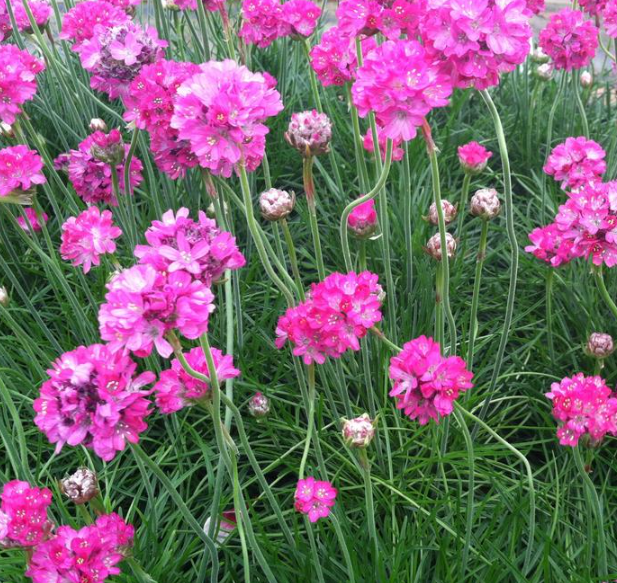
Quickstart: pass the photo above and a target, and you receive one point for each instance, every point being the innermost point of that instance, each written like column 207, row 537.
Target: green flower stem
column 439, row 290
column 509, row 211
column 341, row 538
column 310, row 419
column 597, row 273
column 240, row 517
column 368, row 497
column 576, row 82
column 475, row 299
column 549, row 312
column 462, row 209
column 122, row 204
column 530, row 121
column 358, row 142
column 352, row 205
column 127, row 188
column 316, row 558
column 309, row 189
column 385, row 340
column 293, row 258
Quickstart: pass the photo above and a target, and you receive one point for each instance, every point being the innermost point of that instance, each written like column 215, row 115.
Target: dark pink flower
column 262, row 22
column 31, row 221
column 315, row 498
column 20, row 172
column 301, row 17
column 576, row 162
column 548, row 244
column 79, row 22
column 41, row 11
column 609, row 18
column 363, row 219
column 23, row 514
column 473, row 157
column 593, row 7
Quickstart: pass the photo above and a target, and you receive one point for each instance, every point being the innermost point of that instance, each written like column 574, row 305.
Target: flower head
column 473, row 157
column 262, row 22
column 310, row 133
column 485, row 203
column 315, row 498
column 576, row 162
column 433, row 247
column 301, row 17
column 81, row 486
column 363, row 219
column 23, row 514
column 79, row 23
column 359, row 432
column 549, row 245
column 41, row 11
column 448, row 210
column 276, row 204
column 600, row 345
column 31, row 222
column 259, row 405
column 20, row 173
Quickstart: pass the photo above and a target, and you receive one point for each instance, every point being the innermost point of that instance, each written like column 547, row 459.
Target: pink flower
column 337, row 313
column 18, row 70
column 89, row 554
column 92, row 398
column 609, row 17
column 363, row 219
column 23, row 514
column 593, row 7
column 359, row 17
column 177, row 389
column 91, row 177
column 576, row 162
column 5, row 24
column 86, row 237
column 79, row 23
column 548, row 244
column 114, row 56
column 315, row 498
column 569, row 39
column 221, row 111
column 262, row 22
column 583, row 405
column 142, row 304
column 535, row 6
column 473, row 157
column 41, row 11
column 20, row 172
column 199, row 248
column 399, row 107
column 301, row 17
column 426, row 384
column 367, row 143
column 31, row 221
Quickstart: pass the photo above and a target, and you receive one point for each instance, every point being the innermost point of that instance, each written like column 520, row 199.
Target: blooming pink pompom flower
column 115, row 55
column 426, row 384
column 79, row 23
column 31, row 221
column 20, row 172
column 569, row 39
column 41, row 11
column 583, row 405
column 176, row 389
column 88, row 555
column 576, row 162
column 142, row 304
column 535, row 6
column 315, row 498
column 92, row 398
column 473, row 157
column 609, row 18
column 367, row 143
column 262, row 22
column 23, row 515
column 363, row 219
column 88, row 236
column 399, row 107
column 18, row 70
column 336, row 314
column 91, row 177
column 221, row 111
column 593, row 7
column 301, row 17
column 549, row 245
column 197, row 247
column 359, row 17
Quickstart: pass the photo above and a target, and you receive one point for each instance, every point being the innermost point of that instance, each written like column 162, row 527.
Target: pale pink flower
column 310, row 133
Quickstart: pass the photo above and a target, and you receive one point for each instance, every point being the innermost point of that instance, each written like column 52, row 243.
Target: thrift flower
column 367, row 143
column 433, row 247
column 276, row 204
column 473, row 158
column 262, row 22
column 81, row 486
column 310, row 133
column 448, row 210
column 485, row 204
column 301, row 17
column 259, row 405
column 23, row 514
column 600, row 345
column 576, row 162
column 549, row 245
column 362, row 220
column 20, row 173
column 359, row 432
column 31, row 221
column 315, row 498
column 41, row 12
column 79, row 23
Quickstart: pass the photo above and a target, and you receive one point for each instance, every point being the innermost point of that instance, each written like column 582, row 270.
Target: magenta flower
column 88, row 236
column 549, row 245
column 593, row 7
column 142, row 304
column 41, row 11
column 609, row 18
column 535, row 6
column 399, row 107
column 473, row 157
column 337, row 313
column 363, row 219
column 90, row 554
column 367, row 143
column 576, row 162
column 18, row 70
column 20, row 172
column 23, row 515
column 301, row 17
column 569, row 39
column 359, row 17
column 211, row 5
column 583, row 405
column 92, row 398
column 79, row 23
column 262, row 22
column 221, row 111
column 31, row 221
column 176, row 389
column 315, row 498
column 426, row 384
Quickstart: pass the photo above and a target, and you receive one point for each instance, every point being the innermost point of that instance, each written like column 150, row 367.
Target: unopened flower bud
column 310, row 133
column 586, row 79
column 363, row 220
column 448, row 209
column 227, row 525
column 276, row 204
column 259, row 405
column 485, row 203
column 539, row 56
column 4, row 296
column 359, row 432
column 80, row 487
column 433, row 247
column 600, row 345
column 169, row 5
column 108, row 148
column 98, row 125
column 6, row 131
column 545, row 72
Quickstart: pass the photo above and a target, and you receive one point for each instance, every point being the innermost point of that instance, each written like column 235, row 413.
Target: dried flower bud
column 276, row 204
column 539, row 56
column 310, row 133
column 600, row 345
column 108, row 148
column 586, row 79
column 545, row 72
column 359, row 432
column 259, row 405
column 80, row 487
column 448, row 209
column 433, row 247
column 4, row 296
column 485, row 203
column 363, row 220
column 98, row 125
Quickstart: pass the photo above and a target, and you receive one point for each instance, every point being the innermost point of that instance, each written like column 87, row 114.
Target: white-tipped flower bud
column 276, row 204
column 586, row 79
column 6, row 131
column 259, row 405
column 433, row 247
column 4, row 296
column 485, row 203
column 98, row 125
column 310, row 133
column 545, row 71
column 600, row 345
column 539, row 56
column 359, row 432
column 448, row 209
column 80, row 487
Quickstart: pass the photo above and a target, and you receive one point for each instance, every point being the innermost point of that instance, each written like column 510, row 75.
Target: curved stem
column 311, row 419
column 358, row 142
column 597, row 273
column 549, row 313
column 240, row 517
column 385, row 340
column 475, row 300
column 309, row 189
column 127, row 185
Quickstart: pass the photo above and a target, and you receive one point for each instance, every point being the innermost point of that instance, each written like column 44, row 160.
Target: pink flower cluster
column 91, row 177
column 609, row 18
column 549, row 245
column 41, row 11
column 263, row 21
column 221, row 110
column 576, row 162
column 176, row 389
column 150, row 105
column 583, row 405
column 535, row 6
column 92, row 398
column 80, row 22
column 31, row 221
column 142, row 304
column 425, row 383
column 336, row 314
column 315, row 498
column 20, row 171
column 23, row 515
column 18, row 70
column 473, row 157
column 400, row 107
column 87, row 555
column 88, row 236
column 593, row 7
column 197, row 247
column 569, row 39
column 363, row 219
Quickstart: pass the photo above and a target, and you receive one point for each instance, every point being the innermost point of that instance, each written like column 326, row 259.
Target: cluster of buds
column 448, row 209
column 358, row 432
column 276, row 204
column 81, row 486
column 433, row 247
column 485, row 204
column 259, row 405
column 310, row 133
column 600, row 345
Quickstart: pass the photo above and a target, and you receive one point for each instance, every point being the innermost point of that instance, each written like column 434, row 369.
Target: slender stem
column 309, row 189
column 316, row 558
column 385, row 340
column 549, row 312
column 462, row 209
column 341, row 538
column 127, row 186
column 530, row 125
column 293, row 258
column 576, row 81
column 310, row 417
column 439, row 289
column 368, row 497
column 358, row 142
column 475, row 300
column 597, row 273
column 240, row 517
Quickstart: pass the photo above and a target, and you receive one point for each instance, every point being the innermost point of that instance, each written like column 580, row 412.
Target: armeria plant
column 264, row 313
